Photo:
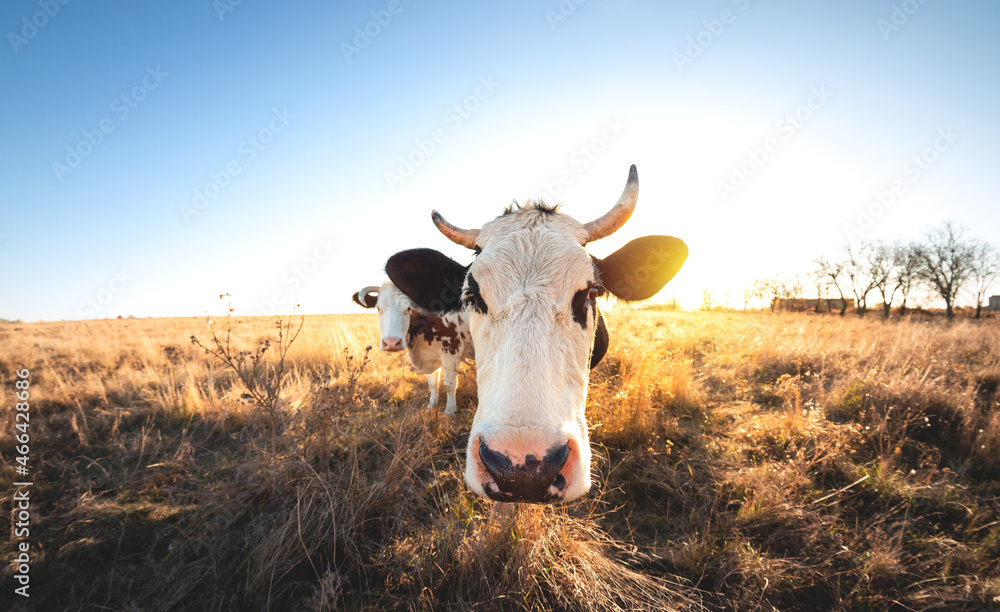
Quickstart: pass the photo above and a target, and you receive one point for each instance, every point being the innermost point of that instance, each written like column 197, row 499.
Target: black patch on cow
column 368, row 301
column 471, row 296
column 601, row 341
column 642, row 267
column 430, row 278
column 582, row 300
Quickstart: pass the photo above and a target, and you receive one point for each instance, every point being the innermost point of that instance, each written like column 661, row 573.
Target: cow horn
column 464, row 237
column 617, row 216
column 360, row 296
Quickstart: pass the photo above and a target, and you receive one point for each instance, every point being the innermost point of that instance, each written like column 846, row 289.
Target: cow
column 531, row 297
column 435, row 342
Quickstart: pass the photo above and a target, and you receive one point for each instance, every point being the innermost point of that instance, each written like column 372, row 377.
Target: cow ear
column 431, row 279
column 368, row 299
column 601, row 341
column 642, row 267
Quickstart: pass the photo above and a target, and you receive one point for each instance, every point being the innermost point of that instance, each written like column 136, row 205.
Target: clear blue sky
column 291, row 124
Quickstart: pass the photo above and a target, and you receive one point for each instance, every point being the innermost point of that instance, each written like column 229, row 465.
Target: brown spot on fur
column 433, row 328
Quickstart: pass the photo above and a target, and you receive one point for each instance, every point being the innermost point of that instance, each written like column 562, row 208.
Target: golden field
column 744, row 461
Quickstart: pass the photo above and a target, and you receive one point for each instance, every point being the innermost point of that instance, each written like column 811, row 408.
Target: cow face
column 531, row 299
column 393, row 313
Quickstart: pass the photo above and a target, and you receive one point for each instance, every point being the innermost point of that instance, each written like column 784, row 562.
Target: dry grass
column 743, row 462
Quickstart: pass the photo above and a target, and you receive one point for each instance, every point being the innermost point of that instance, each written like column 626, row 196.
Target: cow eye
column 474, row 301
column 595, row 292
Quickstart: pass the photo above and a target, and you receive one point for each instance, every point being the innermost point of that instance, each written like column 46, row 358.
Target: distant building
column 994, row 303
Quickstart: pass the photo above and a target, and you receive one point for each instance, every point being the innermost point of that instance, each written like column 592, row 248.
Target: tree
column 881, row 265
column 906, row 265
column 758, row 290
column 985, row 269
column 947, row 261
column 857, row 274
column 821, row 284
column 833, row 271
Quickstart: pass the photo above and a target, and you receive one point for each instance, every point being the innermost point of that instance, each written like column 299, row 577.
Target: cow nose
column 534, row 480
column 392, row 344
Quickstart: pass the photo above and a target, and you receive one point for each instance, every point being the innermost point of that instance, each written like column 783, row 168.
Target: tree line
column 944, row 263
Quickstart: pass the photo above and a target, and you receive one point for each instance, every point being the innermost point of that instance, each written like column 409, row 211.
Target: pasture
column 742, row 461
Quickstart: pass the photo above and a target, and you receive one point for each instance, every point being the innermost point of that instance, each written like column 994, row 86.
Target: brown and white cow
column 530, row 295
column 435, row 342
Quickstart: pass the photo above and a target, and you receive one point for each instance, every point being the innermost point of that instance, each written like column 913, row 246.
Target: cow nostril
column 529, row 482
column 497, row 464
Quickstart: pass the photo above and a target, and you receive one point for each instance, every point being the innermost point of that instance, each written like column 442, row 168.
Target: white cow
column 530, row 295
column 435, row 343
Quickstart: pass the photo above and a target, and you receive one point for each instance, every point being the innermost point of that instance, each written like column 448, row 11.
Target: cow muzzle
column 522, row 473
column 391, row 344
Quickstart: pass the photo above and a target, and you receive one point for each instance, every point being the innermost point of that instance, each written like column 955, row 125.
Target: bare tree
column 791, row 286
column 858, row 275
column 821, row 284
column 881, row 266
column 833, row 271
column 946, row 262
column 758, row 290
column 906, row 266
column 772, row 291
column 985, row 269
column 707, row 301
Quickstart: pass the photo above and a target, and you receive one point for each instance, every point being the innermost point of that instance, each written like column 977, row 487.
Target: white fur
column 533, row 358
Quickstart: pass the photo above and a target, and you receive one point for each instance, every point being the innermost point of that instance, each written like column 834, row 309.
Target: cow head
column 393, row 313
column 531, row 296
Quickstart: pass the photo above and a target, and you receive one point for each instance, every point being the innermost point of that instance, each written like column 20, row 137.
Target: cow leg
column 449, row 371
column 432, row 386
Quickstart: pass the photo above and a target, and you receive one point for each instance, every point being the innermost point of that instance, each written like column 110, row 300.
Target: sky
column 156, row 155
